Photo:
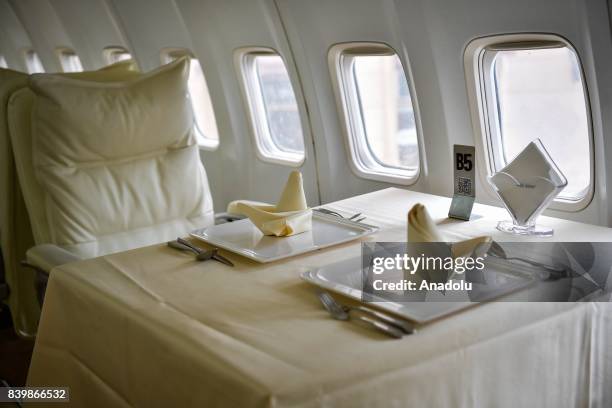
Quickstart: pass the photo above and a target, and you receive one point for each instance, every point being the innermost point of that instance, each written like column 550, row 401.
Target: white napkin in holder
column 526, row 186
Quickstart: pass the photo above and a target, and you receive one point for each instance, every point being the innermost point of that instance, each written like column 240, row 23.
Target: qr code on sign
column 464, row 186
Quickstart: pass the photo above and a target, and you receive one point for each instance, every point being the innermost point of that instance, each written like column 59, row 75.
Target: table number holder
column 464, row 182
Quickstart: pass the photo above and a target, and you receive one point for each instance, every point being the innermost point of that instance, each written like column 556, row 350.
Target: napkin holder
column 526, row 187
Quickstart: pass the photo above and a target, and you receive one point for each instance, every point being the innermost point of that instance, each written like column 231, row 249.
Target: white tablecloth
column 153, row 328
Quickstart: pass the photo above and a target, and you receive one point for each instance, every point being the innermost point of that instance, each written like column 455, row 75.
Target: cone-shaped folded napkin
column 421, row 228
column 289, row 217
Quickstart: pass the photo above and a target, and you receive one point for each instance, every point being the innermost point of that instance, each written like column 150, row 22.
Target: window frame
column 346, row 92
column 65, row 52
column 170, row 54
column 485, row 124
column 266, row 150
column 28, row 54
column 111, row 50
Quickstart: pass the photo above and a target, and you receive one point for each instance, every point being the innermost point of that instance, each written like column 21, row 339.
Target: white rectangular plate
column 243, row 238
column 345, row 278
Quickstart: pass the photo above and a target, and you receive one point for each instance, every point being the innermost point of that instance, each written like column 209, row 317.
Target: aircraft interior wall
column 429, row 37
column 306, row 203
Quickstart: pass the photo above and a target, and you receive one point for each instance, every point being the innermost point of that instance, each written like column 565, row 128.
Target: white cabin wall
column 91, row 27
column 151, row 25
column 13, row 37
column 45, row 30
column 313, row 28
column 430, row 37
column 217, row 29
column 597, row 27
column 450, row 26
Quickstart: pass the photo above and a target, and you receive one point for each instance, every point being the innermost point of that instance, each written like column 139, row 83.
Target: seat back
column 16, row 171
column 19, row 125
column 117, row 162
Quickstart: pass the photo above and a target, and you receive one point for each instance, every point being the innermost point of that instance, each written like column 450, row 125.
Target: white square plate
column 346, row 278
column 243, row 238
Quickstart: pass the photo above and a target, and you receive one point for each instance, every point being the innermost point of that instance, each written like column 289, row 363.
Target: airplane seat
column 21, row 284
column 19, row 117
column 116, row 163
column 25, row 195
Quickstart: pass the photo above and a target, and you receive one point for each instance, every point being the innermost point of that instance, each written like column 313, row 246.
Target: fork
column 201, row 254
column 401, row 324
column 339, row 313
column 354, row 217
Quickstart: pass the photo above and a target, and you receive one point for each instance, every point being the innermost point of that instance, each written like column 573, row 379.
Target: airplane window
column 280, row 104
column 116, row 54
column 33, row 63
column 386, row 111
column 206, row 124
column 378, row 111
column 540, row 93
column 3, row 63
column 273, row 108
column 69, row 60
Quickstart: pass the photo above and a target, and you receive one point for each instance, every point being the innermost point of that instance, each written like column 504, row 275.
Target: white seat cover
column 118, row 162
column 19, row 112
column 21, row 228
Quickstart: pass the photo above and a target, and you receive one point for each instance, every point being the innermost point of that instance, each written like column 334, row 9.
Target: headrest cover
column 77, row 121
column 19, row 112
column 113, row 159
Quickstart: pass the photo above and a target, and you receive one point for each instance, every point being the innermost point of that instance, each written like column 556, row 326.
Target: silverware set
column 383, row 322
column 201, row 254
column 355, row 217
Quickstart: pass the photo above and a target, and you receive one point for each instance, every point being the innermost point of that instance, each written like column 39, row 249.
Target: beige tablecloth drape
column 152, row 328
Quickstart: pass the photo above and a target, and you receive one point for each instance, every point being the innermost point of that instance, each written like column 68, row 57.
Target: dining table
column 152, row 327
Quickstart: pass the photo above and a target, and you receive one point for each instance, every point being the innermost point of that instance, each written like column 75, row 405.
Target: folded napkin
column 422, row 228
column 523, row 199
column 535, row 161
column 529, row 182
column 289, row 216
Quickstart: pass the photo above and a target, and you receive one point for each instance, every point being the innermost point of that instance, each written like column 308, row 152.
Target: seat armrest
column 45, row 257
